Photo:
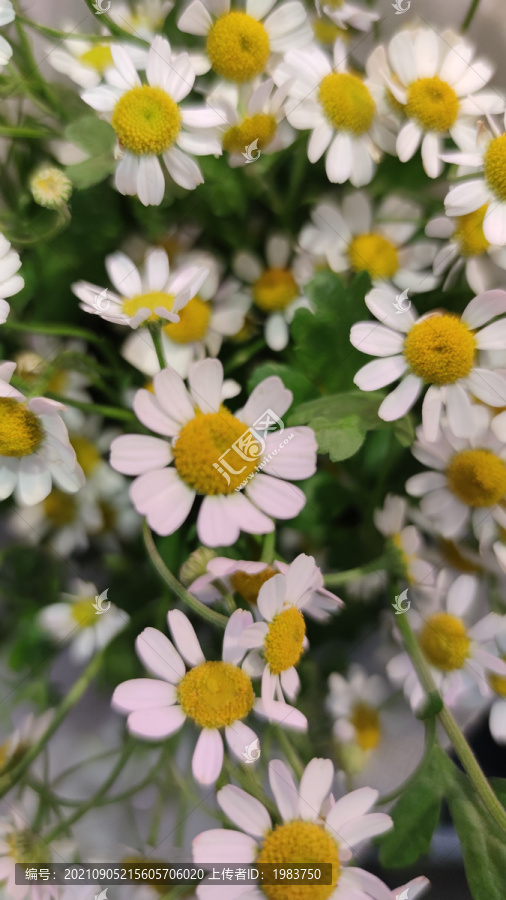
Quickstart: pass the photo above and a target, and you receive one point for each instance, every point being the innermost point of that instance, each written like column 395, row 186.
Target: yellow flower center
column 347, row 102
column 27, row 847
column 109, row 516
column 469, row 232
column 151, row 300
column 248, row 586
column 477, row 477
column 238, row 46
column 498, row 682
column 444, row 642
column 432, row 103
column 87, row 454
column 455, row 558
column 146, row 120
column 59, row 508
column 98, row 57
column 495, row 166
column 283, row 643
column 215, row 694
column 20, row 430
column 299, row 843
column 366, row 721
column 373, row 253
column 201, row 458
column 275, row 289
column 193, row 322
column 326, row 31
column 261, row 127
column 440, row 349
column 83, row 612
column 50, row 187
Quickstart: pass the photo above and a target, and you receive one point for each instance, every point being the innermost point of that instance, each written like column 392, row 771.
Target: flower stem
column 115, row 29
column 269, row 547
column 113, row 412
column 176, row 587
column 458, row 741
column 332, row 579
column 290, row 752
column 469, row 15
column 154, row 329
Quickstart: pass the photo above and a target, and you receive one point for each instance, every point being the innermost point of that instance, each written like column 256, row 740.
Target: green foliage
column 97, row 139
column 295, row 381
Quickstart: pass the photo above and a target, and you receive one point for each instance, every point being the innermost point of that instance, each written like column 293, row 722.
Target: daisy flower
column 486, row 155
column 439, row 86
column 28, row 732
column 149, row 122
column 202, row 432
column 50, row 187
column 212, row 694
column 497, row 683
column 34, row 446
column 439, row 350
column 406, row 540
column 350, row 15
column 244, row 43
column 467, row 248
column 275, row 287
column 154, row 294
column 338, row 108
column 354, row 236
column 20, row 843
column 88, row 63
column 10, row 263
column 466, row 484
column 457, row 651
column 354, row 703
column 216, row 312
column 307, row 832
column 246, row 577
column 254, row 119
column 144, row 19
column 7, row 15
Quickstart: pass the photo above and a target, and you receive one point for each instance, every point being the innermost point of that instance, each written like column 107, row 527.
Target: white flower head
column 354, row 702
column 466, row 247
column 350, row 15
column 10, row 282
column 406, row 539
column 144, row 18
column 7, row 15
column 89, row 63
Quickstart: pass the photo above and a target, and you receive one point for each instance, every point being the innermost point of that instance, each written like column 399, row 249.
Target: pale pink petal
column 277, row 498
column 216, row 527
column 315, row 785
column 133, row 454
column 400, row 401
column 295, row 459
column 206, row 381
column 271, row 597
column 172, row 396
column 380, row 372
column 281, row 713
column 284, row 789
column 222, row 845
column 156, row 724
column 184, row 637
column 143, row 693
column 163, row 498
column 207, row 759
column 245, row 811
column 159, row 656
column 233, row 651
column 270, row 394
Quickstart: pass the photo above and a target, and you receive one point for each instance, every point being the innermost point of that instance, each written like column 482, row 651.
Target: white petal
column 244, row 811
column 271, row 597
column 206, row 380
column 195, row 19
column 369, row 337
column 284, row 789
column 159, row 656
column 494, row 224
column 156, row 724
column 380, row 372
column 163, row 498
column 143, row 693
column 184, row 637
column 184, row 171
column 222, row 845
column 315, row 784
column 207, row 758
column 276, row 498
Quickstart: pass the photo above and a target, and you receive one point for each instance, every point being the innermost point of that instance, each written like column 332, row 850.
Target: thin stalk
column 62, row 35
column 269, row 547
column 155, row 331
column 115, row 29
column 332, row 579
column 469, row 15
column 290, row 752
column 113, row 412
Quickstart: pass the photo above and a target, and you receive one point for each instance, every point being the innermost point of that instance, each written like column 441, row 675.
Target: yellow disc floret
column 495, row 166
column 498, row 682
column 26, row 847
column 146, row 120
column 98, row 57
column 302, row 844
column 202, row 443
column 347, row 102
column 365, row 720
column 248, row 585
column 275, row 290
column 87, row 454
column 152, row 300
column 59, row 508
column 83, row 612
column 326, row 31
column 433, row 104
column 261, row 128
column 215, row 694
column 375, row 254
column 444, row 641
column 469, row 232
column 193, row 322
column 238, row 47
column 284, row 641
column 20, row 430
column 477, row 477
column 440, row 349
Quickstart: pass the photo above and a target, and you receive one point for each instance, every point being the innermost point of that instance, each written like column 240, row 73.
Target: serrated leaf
column 91, row 171
column 340, row 439
column 295, row 381
column 92, row 135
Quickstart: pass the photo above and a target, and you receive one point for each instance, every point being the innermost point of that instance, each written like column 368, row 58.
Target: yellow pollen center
column 87, row 454
column 83, row 612
column 373, row 253
column 326, row 31
column 469, row 232
column 193, row 322
column 495, row 166
column 20, row 430
column 261, row 127
column 26, row 847
column 248, row 586
column 432, row 103
column 59, row 508
column 146, row 120
column 440, row 349
column 201, row 457
column 366, row 721
column 498, row 682
column 215, row 694
column 238, row 46
column 98, row 57
column 275, row 289
column 444, row 642
column 454, row 557
column 284, row 640
column 152, row 300
column 477, row 477
column 299, row 843
column 347, row 102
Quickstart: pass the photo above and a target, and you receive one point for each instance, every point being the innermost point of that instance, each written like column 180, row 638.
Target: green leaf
column 91, row 171
column 338, row 406
column 340, row 439
column 416, row 815
column 295, row 381
column 92, row 135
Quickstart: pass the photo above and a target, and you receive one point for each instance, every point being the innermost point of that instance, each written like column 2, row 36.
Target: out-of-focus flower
column 50, row 187
column 467, row 248
column 10, row 282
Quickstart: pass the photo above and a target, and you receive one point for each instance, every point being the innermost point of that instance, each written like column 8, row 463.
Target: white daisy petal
column 207, row 758
column 244, row 811
column 315, row 785
column 184, row 637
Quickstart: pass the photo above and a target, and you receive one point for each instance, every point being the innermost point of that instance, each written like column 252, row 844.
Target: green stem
column 69, row 331
column 62, row 35
column 115, row 29
column 290, row 752
column 113, row 412
column 269, row 547
column 458, row 741
column 74, row 695
column 332, row 579
column 176, row 587
column 33, row 66
column 469, row 15
column 430, row 737
column 19, row 131
column 155, row 331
